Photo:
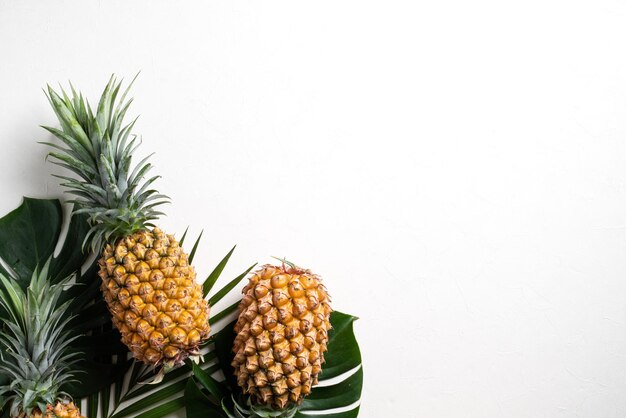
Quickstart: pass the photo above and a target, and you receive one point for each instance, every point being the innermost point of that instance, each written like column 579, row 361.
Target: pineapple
column 147, row 282
column 281, row 335
column 34, row 350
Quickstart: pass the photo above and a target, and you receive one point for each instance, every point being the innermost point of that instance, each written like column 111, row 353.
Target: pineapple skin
column 281, row 335
column 154, row 299
column 63, row 410
column 59, row 410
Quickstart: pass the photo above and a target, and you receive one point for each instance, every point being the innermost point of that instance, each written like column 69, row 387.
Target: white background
column 456, row 171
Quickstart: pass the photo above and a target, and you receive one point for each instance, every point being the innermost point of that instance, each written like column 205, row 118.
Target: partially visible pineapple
column 34, row 351
column 282, row 334
column 147, row 281
column 63, row 410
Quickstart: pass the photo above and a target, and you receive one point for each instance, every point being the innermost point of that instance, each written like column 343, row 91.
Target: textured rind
column 153, row 297
column 63, row 410
column 282, row 335
column 59, row 410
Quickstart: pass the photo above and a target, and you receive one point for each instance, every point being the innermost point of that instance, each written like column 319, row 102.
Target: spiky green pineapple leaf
column 38, row 357
column 96, row 149
column 215, row 274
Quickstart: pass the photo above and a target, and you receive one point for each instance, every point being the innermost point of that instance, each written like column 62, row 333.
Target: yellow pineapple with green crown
column 147, row 282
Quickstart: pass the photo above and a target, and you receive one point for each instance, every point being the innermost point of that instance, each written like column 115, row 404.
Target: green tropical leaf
column 182, row 239
column 28, row 236
column 229, row 286
column 345, row 354
column 164, row 408
column 192, row 254
column 151, row 400
column 213, row 386
column 342, row 394
column 224, row 313
column 198, row 404
column 223, row 346
column 215, row 274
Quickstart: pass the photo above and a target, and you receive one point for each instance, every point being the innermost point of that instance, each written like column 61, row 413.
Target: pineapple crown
column 98, row 149
column 34, row 339
column 293, row 268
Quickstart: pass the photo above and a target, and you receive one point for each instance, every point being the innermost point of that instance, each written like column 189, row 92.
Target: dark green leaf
column 164, row 409
column 224, row 291
column 342, row 394
column 197, row 404
column 213, row 386
column 105, row 398
column 343, row 351
column 117, row 395
column 92, row 405
column 93, row 378
column 71, row 257
column 138, row 389
column 215, row 274
column 182, row 239
column 223, row 341
column 194, row 248
column 151, row 400
column 224, row 313
column 29, row 235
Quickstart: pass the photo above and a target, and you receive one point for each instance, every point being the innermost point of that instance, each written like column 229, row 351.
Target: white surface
column 455, row 170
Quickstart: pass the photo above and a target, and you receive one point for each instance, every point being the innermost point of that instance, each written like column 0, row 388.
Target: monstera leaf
column 29, row 236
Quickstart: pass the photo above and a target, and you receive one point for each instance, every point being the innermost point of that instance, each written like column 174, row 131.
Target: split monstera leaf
column 112, row 384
